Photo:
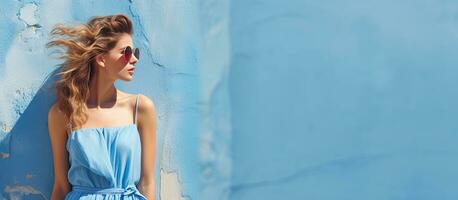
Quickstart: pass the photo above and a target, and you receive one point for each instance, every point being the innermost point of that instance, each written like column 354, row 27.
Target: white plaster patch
column 4, row 127
column 171, row 187
column 29, row 176
column 17, row 192
column 28, row 14
column 4, row 155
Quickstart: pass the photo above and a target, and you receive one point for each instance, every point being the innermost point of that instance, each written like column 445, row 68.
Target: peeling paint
column 171, row 186
column 28, row 15
column 4, row 127
column 29, row 176
column 19, row 192
column 4, row 155
column 21, row 99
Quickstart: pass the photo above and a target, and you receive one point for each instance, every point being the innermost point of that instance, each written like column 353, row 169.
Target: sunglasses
column 127, row 52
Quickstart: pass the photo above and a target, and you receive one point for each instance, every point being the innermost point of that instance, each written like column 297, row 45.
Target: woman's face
column 115, row 65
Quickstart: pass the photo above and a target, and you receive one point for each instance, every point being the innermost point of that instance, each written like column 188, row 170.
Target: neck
column 101, row 91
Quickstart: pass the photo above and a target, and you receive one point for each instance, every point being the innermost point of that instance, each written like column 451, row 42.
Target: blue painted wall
column 344, row 99
column 259, row 99
column 180, row 70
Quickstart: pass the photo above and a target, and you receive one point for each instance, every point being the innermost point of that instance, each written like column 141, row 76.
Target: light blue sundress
column 105, row 162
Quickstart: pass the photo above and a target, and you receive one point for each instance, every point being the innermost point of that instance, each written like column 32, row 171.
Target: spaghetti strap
column 136, row 108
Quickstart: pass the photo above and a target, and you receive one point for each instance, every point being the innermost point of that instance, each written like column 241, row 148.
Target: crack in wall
column 307, row 171
column 143, row 34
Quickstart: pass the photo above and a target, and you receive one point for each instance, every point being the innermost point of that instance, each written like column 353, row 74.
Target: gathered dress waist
column 130, row 189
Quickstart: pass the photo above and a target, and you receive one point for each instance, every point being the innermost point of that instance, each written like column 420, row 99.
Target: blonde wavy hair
column 82, row 43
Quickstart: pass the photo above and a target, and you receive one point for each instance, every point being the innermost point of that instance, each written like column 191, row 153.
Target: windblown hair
column 82, row 43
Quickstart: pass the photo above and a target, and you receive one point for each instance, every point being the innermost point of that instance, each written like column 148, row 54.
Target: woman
column 103, row 140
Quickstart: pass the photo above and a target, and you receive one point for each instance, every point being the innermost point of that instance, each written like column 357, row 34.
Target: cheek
column 115, row 63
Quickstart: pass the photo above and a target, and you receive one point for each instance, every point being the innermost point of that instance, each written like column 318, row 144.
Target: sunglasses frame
column 128, row 53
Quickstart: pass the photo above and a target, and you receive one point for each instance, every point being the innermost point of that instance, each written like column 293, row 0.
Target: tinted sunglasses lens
column 127, row 53
column 137, row 53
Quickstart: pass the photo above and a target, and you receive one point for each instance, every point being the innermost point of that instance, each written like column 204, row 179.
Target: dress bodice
column 105, row 156
column 105, row 160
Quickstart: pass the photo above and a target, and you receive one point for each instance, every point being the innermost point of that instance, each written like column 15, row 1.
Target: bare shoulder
column 146, row 116
column 145, row 104
column 56, row 119
column 54, row 113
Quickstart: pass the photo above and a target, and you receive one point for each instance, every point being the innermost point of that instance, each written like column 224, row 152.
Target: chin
column 129, row 78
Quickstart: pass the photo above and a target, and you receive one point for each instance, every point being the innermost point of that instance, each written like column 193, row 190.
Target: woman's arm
column 58, row 138
column 147, row 129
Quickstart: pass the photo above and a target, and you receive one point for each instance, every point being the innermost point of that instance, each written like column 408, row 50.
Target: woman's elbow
column 60, row 191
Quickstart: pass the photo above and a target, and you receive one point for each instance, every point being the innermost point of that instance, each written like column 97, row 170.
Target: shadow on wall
column 27, row 166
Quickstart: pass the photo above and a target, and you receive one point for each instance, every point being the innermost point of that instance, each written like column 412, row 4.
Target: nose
column 133, row 59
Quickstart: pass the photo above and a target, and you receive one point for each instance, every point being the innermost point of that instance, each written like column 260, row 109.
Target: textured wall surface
column 185, row 56
column 344, row 99
column 215, row 130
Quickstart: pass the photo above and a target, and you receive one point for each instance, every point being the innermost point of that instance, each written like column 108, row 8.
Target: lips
column 131, row 69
